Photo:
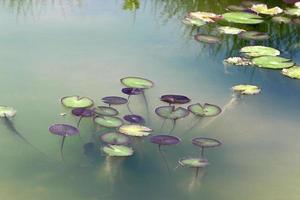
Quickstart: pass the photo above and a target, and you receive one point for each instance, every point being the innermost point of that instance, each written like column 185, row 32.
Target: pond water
column 50, row 49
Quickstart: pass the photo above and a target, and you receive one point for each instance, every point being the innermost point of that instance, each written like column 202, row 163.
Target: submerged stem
column 162, row 125
column 173, row 126
column 61, row 147
column 147, row 105
column 194, row 125
column 164, row 158
column 78, row 123
column 128, row 101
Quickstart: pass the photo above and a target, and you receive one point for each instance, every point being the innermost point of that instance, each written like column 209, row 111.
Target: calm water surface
column 50, row 49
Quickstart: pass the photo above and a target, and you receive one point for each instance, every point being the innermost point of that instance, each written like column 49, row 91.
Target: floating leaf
column 263, row 9
column 165, row 139
column 293, row 72
column 293, row 11
column 207, row 110
column 106, row 111
column 246, row 89
column 171, row 112
column 135, row 130
column 281, row 19
column 108, row 121
column 83, row 112
column 297, row 4
column 256, row 51
column 230, row 30
column 193, row 162
column 114, row 138
column 242, row 18
column 76, row 102
column 210, row 39
column 240, row 61
column 193, row 22
column 272, row 62
column 137, row 82
column 253, row 35
column 136, row 119
column 132, row 91
column 7, row 111
column 63, row 130
column 206, row 142
column 205, row 16
column 114, row 100
column 174, row 99
column 118, row 150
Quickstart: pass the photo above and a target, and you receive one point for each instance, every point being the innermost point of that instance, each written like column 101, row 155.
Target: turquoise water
column 50, row 49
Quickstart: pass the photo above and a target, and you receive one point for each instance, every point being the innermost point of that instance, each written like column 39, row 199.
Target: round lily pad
column 7, row 111
column 132, row 91
column 76, row 102
column 171, row 112
column 210, row 39
column 206, row 110
column 246, row 89
column 256, row 51
column 205, row 16
column 118, row 150
column 230, row 30
column 165, row 140
column 106, row 111
column 193, row 22
column 134, row 130
column 293, row 11
column 83, row 112
column 193, row 162
column 263, row 9
column 115, row 138
column 108, row 121
column 137, row 82
column 293, row 72
column 114, row 100
column 272, row 62
column 242, row 18
column 281, row 19
column 206, row 142
column 240, row 61
column 63, row 130
column 136, row 119
column 253, row 35
column 174, row 99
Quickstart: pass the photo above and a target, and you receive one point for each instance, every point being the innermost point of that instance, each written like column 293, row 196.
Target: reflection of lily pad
column 263, row 9
column 118, row 150
column 253, row 35
column 272, row 62
column 108, row 122
column 206, row 142
column 242, row 18
column 115, row 138
column 293, row 72
column 230, row 30
column 207, row 110
column 246, row 89
column 210, row 39
column 255, row 51
column 171, row 112
column 293, row 11
column 6, row 111
column 193, row 162
column 76, row 102
column 281, row 19
column 135, row 130
column 106, row 111
column 137, row 82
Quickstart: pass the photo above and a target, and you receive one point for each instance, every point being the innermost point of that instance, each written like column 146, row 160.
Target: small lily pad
column 230, row 30
column 193, row 162
column 242, row 18
column 174, row 99
column 240, row 61
column 63, row 130
column 281, row 19
column 171, row 112
column 206, row 110
column 205, row 16
column 263, row 9
column 106, row 111
column 293, row 11
column 7, row 111
column 137, row 82
column 114, row 100
column 136, row 119
column 108, row 121
column 193, row 22
column 132, row 91
column 209, row 39
column 253, row 35
column 165, row 140
column 206, row 142
column 272, row 62
column 256, row 51
column 114, row 138
column 246, row 89
column 118, row 150
column 76, row 102
column 83, row 112
column 293, row 72
column 135, row 130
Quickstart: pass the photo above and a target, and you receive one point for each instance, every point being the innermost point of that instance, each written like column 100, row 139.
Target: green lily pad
column 256, row 51
column 114, row 138
column 293, row 11
column 242, row 18
column 272, row 62
column 263, row 9
column 230, row 30
column 246, row 89
column 108, row 121
column 76, row 102
column 206, row 110
column 106, row 111
column 171, row 112
column 281, row 19
column 7, row 111
column 193, row 22
column 118, row 150
column 193, row 162
column 135, row 130
column 137, row 82
column 293, row 72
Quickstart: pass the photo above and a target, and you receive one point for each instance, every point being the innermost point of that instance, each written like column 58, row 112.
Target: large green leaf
column 242, row 18
column 255, row 51
column 272, row 62
column 293, row 72
column 108, row 121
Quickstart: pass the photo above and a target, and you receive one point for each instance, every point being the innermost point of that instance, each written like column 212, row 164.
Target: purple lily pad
column 165, row 140
column 136, row 119
column 63, row 130
column 175, row 99
column 114, row 100
column 132, row 91
column 83, row 112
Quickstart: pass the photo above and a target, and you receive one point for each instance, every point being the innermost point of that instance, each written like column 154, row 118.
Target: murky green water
column 50, row 49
